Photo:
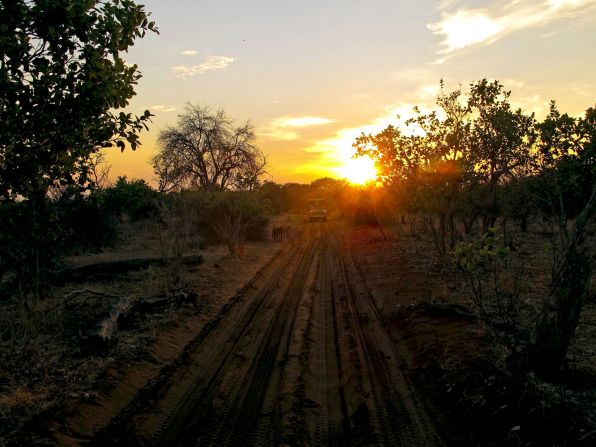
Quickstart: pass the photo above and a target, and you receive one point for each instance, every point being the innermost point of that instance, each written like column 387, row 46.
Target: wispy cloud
column 303, row 121
column 189, row 53
column 162, row 108
column 285, row 128
column 465, row 27
column 211, row 63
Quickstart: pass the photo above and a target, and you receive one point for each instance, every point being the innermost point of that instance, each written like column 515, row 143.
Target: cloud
column 335, row 151
column 189, row 53
column 284, row 128
column 304, row 121
column 162, row 108
column 211, row 63
column 531, row 103
column 465, row 27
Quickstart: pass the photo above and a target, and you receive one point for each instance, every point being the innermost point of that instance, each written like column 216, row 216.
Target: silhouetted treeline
column 475, row 164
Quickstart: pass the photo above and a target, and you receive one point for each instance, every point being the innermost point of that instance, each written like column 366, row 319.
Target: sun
column 359, row 171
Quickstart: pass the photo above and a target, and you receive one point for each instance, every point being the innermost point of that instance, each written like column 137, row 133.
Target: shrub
column 493, row 285
column 133, row 198
column 30, row 243
column 236, row 217
column 85, row 224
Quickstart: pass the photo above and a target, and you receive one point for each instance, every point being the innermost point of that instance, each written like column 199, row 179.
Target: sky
column 312, row 75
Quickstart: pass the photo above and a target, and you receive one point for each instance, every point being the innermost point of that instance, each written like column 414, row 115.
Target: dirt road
column 300, row 357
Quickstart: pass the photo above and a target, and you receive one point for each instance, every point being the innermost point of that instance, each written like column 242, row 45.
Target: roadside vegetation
column 470, row 170
column 495, row 207
column 507, row 203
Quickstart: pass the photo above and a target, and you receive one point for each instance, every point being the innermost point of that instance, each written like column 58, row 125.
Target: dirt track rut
column 300, row 357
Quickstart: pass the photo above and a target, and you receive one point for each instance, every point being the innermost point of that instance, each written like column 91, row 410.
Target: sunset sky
column 311, row 75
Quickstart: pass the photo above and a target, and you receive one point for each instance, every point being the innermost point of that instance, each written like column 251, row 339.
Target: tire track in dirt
column 254, row 419
column 332, row 426
column 348, row 385
column 233, row 370
column 247, row 350
column 399, row 414
column 122, row 429
column 162, row 405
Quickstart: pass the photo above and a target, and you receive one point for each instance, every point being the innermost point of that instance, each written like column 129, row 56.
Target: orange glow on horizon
column 359, row 171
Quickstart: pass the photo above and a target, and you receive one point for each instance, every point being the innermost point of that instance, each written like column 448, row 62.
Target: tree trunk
column 524, row 223
column 438, row 234
column 558, row 319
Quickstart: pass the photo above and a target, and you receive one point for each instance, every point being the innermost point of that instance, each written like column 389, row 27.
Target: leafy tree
column 206, row 150
column 558, row 318
column 500, row 142
column 397, row 156
column 427, row 162
column 459, row 160
column 566, row 165
column 63, row 80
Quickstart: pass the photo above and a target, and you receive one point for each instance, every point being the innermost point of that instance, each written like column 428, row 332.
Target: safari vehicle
column 317, row 210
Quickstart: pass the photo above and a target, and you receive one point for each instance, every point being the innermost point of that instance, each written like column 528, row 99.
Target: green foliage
column 566, row 164
column 249, row 214
column 63, row 82
column 274, row 196
column 36, row 235
column 30, row 242
column 501, row 138
column 134, row 198
column 493, row 284
column 85, row 224
column 482, row 253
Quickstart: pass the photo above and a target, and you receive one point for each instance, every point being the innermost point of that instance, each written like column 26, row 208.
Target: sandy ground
column 295, row 354
column 335, row 336
column 217, row 280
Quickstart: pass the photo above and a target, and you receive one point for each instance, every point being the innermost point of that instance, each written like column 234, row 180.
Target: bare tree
column 99, row 170
column 207, row 150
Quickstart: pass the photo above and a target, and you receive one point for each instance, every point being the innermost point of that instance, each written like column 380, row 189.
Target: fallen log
column 106, row 328
column 127, row 311
column 448, row 309
column 111, row 269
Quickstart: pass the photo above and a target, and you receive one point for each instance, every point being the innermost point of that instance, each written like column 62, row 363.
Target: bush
column 30, row 242
column 494, row 287
column 36, row 234
column 133, row 198
column 236, row 217
column 86, row 226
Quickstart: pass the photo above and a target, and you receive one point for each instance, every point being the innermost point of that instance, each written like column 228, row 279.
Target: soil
column 335, row 336
column 455, row 364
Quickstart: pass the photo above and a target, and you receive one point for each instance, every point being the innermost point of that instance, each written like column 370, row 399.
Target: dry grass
column 46, row 361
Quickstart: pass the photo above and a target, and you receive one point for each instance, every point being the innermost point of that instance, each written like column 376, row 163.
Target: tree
column 427, row 163
column 206, row 150
column 565, row 163
column 500, row 142
column 235, row 216
column 558, row 318
column 99, row 170
column 63, row 81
